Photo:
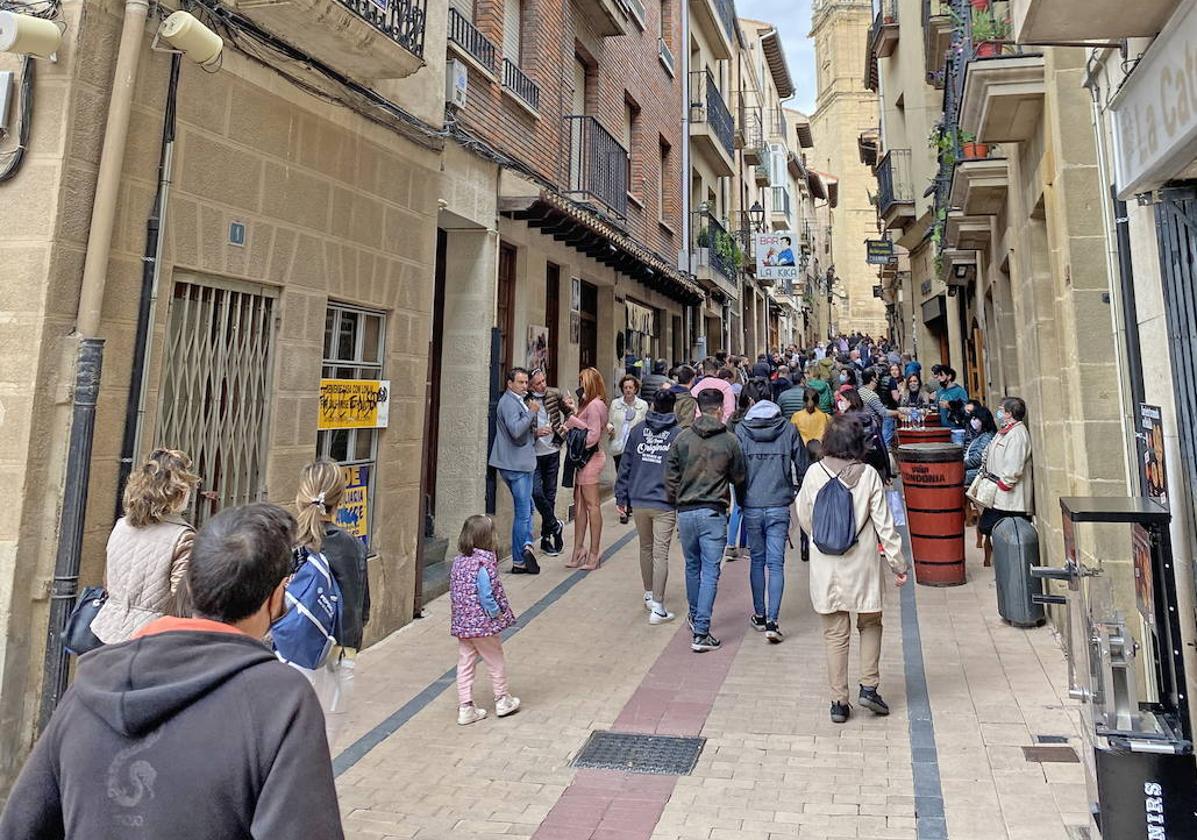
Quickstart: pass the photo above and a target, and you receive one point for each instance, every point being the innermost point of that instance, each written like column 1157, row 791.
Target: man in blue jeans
column 513, row 454
column 704, row 462
column 777, row 462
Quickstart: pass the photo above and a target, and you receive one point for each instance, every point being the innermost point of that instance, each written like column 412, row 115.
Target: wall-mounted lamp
column 190, row 37
column 28, row 35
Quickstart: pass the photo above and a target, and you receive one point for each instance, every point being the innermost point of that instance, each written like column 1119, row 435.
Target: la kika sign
column 1155, row 112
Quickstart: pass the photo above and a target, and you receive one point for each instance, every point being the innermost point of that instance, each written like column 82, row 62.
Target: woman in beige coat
column 851, row 582
column 149, row 548
column 1008, row 462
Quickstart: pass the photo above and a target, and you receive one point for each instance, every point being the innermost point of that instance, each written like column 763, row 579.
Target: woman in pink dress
column 593, row 418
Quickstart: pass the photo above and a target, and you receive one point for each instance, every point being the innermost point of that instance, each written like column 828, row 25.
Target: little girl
column 480, row 614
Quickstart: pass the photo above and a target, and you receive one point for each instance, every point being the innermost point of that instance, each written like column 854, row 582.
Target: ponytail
column 321, row 486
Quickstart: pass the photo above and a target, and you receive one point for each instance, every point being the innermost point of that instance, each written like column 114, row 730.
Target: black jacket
column 346, row 557
column 577, row 454
column 641, row 480
column 703, row 462
column 776, row 458
column 187, row 735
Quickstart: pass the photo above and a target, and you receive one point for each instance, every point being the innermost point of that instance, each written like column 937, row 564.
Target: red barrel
column 938, row 434
column 933, row 484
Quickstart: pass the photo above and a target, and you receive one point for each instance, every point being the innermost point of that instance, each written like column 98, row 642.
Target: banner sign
column 353, row 404
column 775, row 256
column 879, row 251
column 1152, row 464
column 353, row 514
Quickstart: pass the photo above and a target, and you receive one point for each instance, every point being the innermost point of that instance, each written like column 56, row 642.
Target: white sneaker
column 648, row 601
column 658, row 614
column 507, row 705
column 469, row 714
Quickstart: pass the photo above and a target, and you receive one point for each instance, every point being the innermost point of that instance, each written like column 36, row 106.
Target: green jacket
column 703, row 463
column 791, row 401
column 825, row 393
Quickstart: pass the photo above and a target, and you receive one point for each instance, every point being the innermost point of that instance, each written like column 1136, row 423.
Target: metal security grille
column 663, row 755
column 216, row 388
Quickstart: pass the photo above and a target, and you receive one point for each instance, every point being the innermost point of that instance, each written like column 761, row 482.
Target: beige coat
column 851, row 582
column 144, row 569
column 1008, row 458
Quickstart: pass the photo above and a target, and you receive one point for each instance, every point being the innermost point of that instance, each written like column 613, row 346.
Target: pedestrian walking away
column 640, row 485
column 193, row 728
column 776, row 461
column 626, row 411
column 591, row 419
column 703, row 464
column 513, row 454
column 480, row 612
column 850, row 582
column 321, row 487
column 552, row 415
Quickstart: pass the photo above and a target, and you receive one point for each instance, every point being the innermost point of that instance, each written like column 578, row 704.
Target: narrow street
column 967, row 694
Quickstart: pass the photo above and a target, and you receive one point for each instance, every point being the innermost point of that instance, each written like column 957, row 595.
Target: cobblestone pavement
column 773, row 766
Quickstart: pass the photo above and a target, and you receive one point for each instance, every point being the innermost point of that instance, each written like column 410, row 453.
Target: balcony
column 604, row 16
column 778, row 126
column 743, row 232
column 979, row 186
column 365, row 39
column 470, row 44
column 938, row 27
column 895, row 189
column 598, row 165
column 966, row 233
column 521, row 88
column 716, row 255
column 1086, row 20
column 1002, row 99
column 750, row 127
column 718, row 19
column 711, row 127
column 883, row 36
column 780, row 214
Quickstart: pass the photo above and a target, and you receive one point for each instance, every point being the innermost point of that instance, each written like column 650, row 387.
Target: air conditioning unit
column 457, row 83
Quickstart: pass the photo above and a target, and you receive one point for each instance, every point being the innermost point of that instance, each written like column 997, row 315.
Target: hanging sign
column 775, row 256
column 1152, row 465
column 879, row 251
column 353, row 514
column 353, row 404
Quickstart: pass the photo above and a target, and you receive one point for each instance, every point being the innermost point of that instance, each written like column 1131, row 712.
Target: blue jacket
column 513, row 448
column 777, row 460
column 955, row 391
column 641, row 479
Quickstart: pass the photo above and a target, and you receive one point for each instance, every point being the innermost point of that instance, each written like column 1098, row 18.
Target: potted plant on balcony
column 970, row 149
column 989, row 31
column 943, row 142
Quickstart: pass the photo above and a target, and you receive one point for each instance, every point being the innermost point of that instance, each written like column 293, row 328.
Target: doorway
column 432, row 431
column 588, row 327
column 552, row 312
column 505, row 309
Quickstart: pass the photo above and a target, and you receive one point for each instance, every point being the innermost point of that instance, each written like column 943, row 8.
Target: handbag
column 983, row 490
column 77, row 637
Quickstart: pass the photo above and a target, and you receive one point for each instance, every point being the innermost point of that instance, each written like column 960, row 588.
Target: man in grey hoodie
column 777, row 462
column 640, row 486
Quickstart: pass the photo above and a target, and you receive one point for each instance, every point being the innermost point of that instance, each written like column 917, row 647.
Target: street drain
column 1050, row 755
column 1051, row 739
column 663, row 755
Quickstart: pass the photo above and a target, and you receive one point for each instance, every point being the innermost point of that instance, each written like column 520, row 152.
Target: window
column 513, row 17
column 777, row 165
column 663, row 182
column 666, row 22
column 631, row 112
column 353, row 349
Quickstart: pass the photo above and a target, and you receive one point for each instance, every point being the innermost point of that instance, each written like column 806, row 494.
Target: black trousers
column 544, row 491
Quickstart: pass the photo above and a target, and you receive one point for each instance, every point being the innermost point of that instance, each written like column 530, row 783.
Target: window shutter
column 512, row 17
column 777, row 165
column 464, row 7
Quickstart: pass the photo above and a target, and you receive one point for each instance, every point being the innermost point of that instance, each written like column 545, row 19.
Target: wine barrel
column 933, row 484
column 938, row 434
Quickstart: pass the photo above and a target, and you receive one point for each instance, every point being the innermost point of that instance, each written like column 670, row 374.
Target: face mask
column 843, row 406
column 1000, row 416
column 976, row 424
column 843, row 377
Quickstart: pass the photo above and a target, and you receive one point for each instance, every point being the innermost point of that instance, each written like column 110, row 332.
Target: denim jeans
column 768, row 530
column 520, row 485
column 735, row 525
column 544, row 492
column 889, row 427
column 703, row 535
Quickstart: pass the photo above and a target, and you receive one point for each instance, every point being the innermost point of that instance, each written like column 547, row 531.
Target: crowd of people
column 742, row 458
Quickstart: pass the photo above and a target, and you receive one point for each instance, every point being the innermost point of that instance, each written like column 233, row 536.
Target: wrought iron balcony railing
column 893, row 180
column 777, row 123
column 598, row 164
column 707, row 106
column 749, row 123
column 464, row 34
column 719, row 247
column 781, row 202
column 400, row 20
column 520, row 85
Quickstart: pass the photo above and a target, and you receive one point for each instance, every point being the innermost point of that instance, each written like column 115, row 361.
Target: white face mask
column 1000, row 416
column 843, row 406
column 976, row 424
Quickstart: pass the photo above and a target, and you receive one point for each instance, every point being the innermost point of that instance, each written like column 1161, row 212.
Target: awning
column 778, row 69
column 815, row 182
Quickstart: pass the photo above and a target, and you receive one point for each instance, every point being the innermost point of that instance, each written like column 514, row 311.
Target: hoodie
column 641, row 479
column 193, row 730
column 704, row 461
column 722, row 386
column 776, row 458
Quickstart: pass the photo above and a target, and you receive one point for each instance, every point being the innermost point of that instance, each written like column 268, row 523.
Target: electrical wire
column 10, row 162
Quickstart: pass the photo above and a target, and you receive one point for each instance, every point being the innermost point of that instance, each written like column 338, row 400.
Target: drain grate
column 663, row 755
column 1051, row 755
column 1051, row 739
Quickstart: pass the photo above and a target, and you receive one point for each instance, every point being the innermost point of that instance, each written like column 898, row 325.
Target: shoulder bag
column 983, row 490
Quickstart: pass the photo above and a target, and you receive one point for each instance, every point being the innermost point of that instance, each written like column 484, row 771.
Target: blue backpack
column 309, row 629
column 833, row 518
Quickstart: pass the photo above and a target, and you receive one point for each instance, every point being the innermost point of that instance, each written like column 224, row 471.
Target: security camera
column 190, row 37
column 28, row 35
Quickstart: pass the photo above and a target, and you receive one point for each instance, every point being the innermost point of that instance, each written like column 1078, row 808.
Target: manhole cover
column 1049, row 755
column 660, row 754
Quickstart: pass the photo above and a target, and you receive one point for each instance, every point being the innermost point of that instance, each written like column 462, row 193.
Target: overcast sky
column 792, row 18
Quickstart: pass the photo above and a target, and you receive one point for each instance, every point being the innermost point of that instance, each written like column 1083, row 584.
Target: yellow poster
column 354, row 404
column 353, row 514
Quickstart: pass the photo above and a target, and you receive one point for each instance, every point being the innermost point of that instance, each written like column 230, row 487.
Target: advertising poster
column 1151, row 453
column 1144, row 579
column 538, row 347
column 353, row 404
column 775, row 256
column 353, row 515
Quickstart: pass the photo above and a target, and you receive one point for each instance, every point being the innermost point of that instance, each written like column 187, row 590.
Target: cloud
column 792, row 19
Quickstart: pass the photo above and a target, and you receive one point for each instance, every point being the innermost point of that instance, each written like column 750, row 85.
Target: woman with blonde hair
column 149, row 548
column 592, row 417
column 321, row 490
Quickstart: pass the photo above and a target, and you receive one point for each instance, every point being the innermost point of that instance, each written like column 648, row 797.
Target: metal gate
column 1176, row 227
column 216, row 384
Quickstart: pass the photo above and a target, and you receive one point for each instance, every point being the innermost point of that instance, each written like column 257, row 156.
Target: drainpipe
column 89, row 361
column 695, row 312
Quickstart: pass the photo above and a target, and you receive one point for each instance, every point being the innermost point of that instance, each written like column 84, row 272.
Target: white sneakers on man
column 657, row 614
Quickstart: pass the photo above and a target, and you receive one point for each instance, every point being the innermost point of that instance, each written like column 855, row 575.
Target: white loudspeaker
column 187, row 35
column 27, row 35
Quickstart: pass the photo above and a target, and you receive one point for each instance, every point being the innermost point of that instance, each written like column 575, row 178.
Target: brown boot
column 988, row 552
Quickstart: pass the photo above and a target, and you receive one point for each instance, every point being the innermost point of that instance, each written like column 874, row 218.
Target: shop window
column 354, row 344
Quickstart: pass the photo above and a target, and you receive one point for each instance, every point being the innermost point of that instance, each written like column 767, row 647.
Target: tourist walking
column 640, row 487
column 149, row 548
column 626, row 412
column 776, row 461
column 551, row 415
column 655, row 381
column 704, row 462
column 811, row 421
column 194, row 728
column 849, row 582
column 480, row 612
column 714, row 378
column 686, row 407
column 513, row 454
column 590, row 417
column 321, row 487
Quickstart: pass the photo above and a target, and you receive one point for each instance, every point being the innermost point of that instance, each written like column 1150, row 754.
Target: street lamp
column 757, row 214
